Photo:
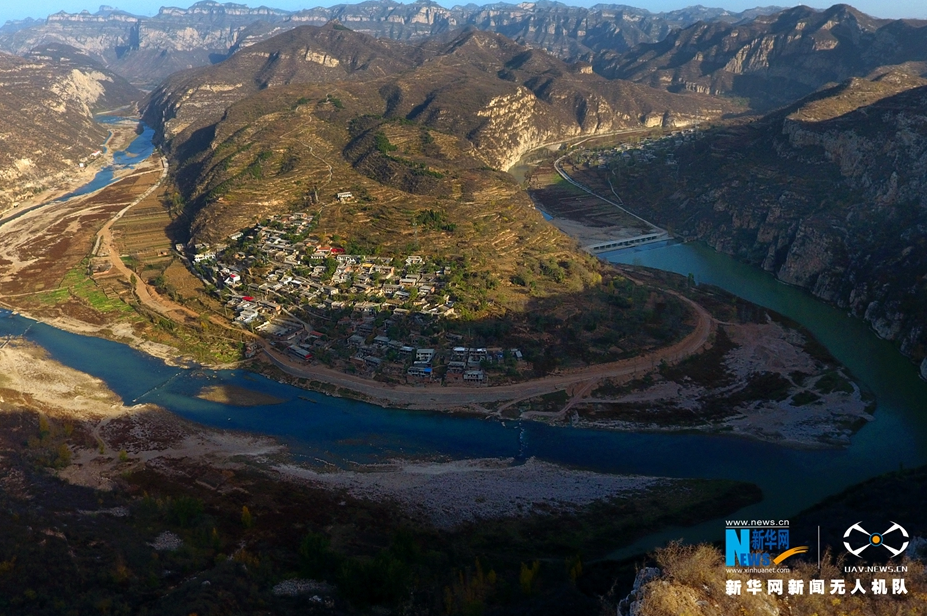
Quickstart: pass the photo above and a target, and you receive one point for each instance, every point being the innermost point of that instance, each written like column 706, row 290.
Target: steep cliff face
column 502, row 97
column 836, row 204
column 773, row 59
column 46, row 117
column 146, row 50
column 568, row 32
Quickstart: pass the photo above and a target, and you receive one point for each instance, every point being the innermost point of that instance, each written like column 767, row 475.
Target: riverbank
column 567, row 396
column 107, row 439
column 447, row 495
column 68, row 181
column 761, row 380
column 98, row 486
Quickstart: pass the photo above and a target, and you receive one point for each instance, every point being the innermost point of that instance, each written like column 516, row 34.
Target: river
column 322, row 430
column 344, row 432
column 137, row 151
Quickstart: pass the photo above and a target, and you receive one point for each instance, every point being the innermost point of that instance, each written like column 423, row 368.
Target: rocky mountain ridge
column 775, row 59
column 146, row 50
column 504, row 98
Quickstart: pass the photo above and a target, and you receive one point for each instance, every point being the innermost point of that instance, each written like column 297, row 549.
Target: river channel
column 322, row 431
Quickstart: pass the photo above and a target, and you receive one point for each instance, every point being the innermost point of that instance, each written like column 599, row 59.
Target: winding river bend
column 333, row 431
column 341, row 432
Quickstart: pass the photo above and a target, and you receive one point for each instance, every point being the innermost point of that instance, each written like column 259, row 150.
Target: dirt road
column 439, row 397
column 104, row 246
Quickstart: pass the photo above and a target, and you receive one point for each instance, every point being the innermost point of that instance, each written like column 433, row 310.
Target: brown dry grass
column 694, row 578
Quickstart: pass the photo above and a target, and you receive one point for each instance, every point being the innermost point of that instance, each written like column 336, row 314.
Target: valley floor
column 45, row 258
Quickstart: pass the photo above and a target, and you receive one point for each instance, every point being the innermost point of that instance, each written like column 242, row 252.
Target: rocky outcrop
column 146, row 50
column 836, row 205
column 502, row 97
column 630, row 605
column 773, row 59
column 46, row 117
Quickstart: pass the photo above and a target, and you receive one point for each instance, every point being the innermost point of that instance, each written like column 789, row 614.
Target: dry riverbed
column 111, row 439
column 449, row 494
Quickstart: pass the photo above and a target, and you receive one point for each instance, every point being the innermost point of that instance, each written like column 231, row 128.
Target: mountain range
column 146, row 50
column 826, row 192
column 773, row 59
column 503, row 97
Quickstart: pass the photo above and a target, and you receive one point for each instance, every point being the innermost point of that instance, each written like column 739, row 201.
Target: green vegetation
column 49, row 448
column 833, row 381
column 383, row 579
column 78, row 285
column 434, row 220
column 804, row 397
column 382, row 143
column 707, row 368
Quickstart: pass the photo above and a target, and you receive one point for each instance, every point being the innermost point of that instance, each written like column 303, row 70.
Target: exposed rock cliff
column 773, row 59
column 502, row 97
column 825, row 198
column 146, row 50
column 46, row 117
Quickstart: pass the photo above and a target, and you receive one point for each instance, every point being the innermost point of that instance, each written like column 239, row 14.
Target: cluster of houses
column 297, row 270
column 276, row 277
column 375, row 354
column 418, row 365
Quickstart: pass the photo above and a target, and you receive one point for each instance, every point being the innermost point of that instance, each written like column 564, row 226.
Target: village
column 370, row 315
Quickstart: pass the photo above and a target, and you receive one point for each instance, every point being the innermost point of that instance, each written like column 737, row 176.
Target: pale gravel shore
column 445, row 494
column 454, row 493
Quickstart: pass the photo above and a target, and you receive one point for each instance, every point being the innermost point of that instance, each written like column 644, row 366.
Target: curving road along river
column 340, row 431
column 898, row 435
column 436, row 396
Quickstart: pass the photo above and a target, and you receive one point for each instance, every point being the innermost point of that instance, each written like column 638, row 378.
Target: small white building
column 474, row 376
column 424, row 355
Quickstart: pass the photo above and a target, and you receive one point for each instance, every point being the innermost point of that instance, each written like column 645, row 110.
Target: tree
column 247, row 520
column 527, row 576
